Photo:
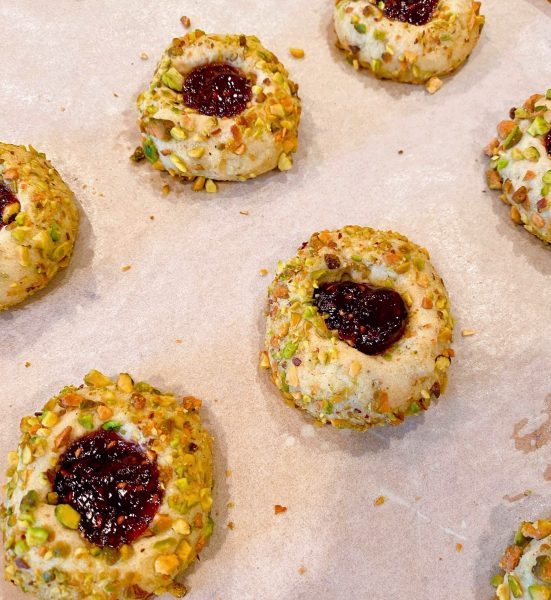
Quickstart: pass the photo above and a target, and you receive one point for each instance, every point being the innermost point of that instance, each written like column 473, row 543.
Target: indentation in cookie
column 217, row 89
column 416, row 12
column 112, row 483
column 366, row 317
column 9, row 205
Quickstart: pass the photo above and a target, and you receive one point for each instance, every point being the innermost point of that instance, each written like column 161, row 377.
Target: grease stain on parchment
column 538, row 437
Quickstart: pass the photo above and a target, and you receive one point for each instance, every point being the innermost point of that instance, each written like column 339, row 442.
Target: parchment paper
column 69, row 74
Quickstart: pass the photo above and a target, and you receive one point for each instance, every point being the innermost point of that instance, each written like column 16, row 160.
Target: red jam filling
column 217, row 89
column 112, row 484
column 416, row 12
column 368, row 318
column 547, row 143
column 7, row 197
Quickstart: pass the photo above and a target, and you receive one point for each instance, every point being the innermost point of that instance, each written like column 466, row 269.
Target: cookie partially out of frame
column 108, row 494
column 521, row 164
column 408, row 40
column 38, row 223
column 220, row 107
column 359, row 328
column 526, row 564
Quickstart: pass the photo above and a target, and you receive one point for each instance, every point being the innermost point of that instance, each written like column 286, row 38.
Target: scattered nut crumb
column 400, row 151
column 380, row 500
column 211, row 187
column 230, row 504
column 126, row 268
column 185, row 21
column 62, row 109
column 244, row 212
column 296, row 52
column 138, row 155
column 467, row 332
column 115, row 94
column 152, row 217
column 27, row 364
column 433, row 85
column 301, row 570
column 144, row 55
column 459, row 547
column 264, row 272
column 231, row 525
column 229, row 473
column 278, row 509
column 166, row 189
column 198, row 184
column 178, row 341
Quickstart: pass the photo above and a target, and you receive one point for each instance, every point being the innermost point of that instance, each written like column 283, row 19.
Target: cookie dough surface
column 398, row 50
column 189, row 144
column 527, row 564
column 38, row 229
column 332, row 381
column 521, row 164
column 46, row 552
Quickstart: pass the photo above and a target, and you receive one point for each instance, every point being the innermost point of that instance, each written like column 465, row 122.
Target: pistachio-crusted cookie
column 359, row 328
column 526, row 564
column 521, row 164
column 38, row 223
column 219, row 107
column 408, row 40
column 109, row 493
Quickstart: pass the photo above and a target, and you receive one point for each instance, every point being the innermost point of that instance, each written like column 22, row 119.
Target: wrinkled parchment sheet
column 458, row 479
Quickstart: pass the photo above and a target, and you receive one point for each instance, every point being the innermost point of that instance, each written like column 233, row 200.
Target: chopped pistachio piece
column 67, row 516
column 173, row 79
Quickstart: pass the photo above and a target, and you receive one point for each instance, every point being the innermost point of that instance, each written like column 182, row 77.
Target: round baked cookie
column 408, row 40
column 108, row 494
column 521, row 164
column 526, row 564
column 219, row 107
column 38, row 223
column 359, row 328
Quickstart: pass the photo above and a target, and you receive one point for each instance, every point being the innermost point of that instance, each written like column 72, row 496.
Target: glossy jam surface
column 368, row 318
column 416, row 12
column 112, row 484
column 6, row 197
column 547, row 143
column 217, row 89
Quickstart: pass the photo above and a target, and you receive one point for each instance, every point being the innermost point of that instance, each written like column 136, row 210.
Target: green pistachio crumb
column 539, row 126
column 112, row 425
column 173, row 79
column 150, row 151
column 289, row 350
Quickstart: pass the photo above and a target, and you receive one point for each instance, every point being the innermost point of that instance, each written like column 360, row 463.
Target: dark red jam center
column 416, row 12
column 217, row 89
column 6, row 197
column 548, row 143
column 112, row 484
column 368, row 318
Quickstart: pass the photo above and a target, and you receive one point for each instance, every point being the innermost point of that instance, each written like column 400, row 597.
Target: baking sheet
column 187, row 316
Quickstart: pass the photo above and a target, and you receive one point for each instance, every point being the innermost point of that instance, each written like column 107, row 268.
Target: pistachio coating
column 45, row 551
column 187, row 143
column 39, row 223
column 526, row 564
column 322, row 374
column 520, row 165
column 399, row 50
